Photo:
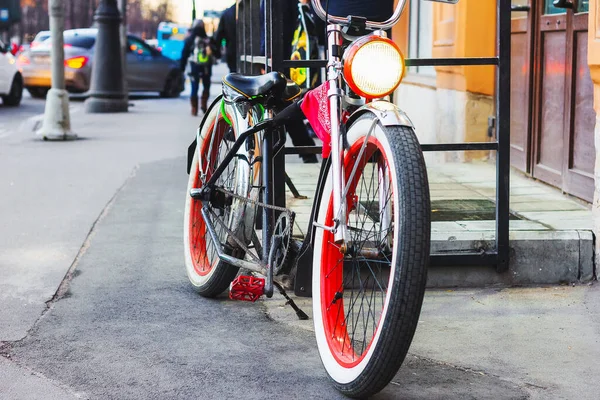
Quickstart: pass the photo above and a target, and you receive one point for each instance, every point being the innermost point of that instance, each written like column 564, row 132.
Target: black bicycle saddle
column 273, row 83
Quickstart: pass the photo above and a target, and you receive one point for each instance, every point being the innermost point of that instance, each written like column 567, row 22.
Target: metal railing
column 251, row 63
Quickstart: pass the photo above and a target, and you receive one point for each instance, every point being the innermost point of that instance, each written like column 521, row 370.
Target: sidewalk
column 545, row 341
column 54, row 192
column 551, row 233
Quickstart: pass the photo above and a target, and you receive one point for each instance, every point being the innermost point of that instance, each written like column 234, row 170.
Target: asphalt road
column 11, row 118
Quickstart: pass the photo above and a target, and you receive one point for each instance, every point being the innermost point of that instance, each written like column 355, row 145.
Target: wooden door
column 580, row 118
column 521, row 84
column 551, row 68
column 563, row 132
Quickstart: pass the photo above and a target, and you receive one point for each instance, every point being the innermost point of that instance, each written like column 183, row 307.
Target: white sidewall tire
column 338, row 373
column 196, row 279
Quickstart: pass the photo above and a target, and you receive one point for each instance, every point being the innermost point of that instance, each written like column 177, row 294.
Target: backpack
column 203, row 53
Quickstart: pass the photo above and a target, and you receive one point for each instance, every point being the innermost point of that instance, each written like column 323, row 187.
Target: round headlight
column 373, row 66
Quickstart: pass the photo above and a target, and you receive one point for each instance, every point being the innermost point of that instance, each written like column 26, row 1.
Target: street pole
column 57, row 123
column 123, row 34
column 107, row 92
column 193, row 10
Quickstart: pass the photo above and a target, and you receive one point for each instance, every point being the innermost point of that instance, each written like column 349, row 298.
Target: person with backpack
column 200, row 51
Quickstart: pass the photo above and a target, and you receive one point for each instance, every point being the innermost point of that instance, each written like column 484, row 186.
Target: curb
column 567, row 256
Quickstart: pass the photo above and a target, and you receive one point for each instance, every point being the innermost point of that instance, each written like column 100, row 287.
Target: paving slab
column 580, row 219
column 551, row 204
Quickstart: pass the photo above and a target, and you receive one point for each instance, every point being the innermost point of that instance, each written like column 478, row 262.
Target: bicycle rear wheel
column 208, row 274
column 367, row 299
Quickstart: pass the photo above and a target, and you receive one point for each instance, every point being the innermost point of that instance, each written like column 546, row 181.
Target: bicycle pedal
column 246, row 288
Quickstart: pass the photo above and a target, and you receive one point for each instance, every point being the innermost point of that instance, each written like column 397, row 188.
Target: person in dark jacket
column 200, row 51
column 289, row 23
column 226, row 31
column 295, row 128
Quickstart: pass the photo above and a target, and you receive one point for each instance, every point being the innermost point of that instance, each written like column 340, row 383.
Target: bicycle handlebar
column 318, row 7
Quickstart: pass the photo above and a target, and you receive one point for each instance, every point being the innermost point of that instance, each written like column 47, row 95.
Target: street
column 95, row 302
column 11, row 118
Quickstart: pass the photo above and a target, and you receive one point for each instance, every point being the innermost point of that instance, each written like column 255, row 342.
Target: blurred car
column 11, row 82
column 39, row 38
column 153, row 43
column 147, row 69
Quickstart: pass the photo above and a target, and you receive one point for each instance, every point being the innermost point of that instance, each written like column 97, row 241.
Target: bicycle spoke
column 363, row 281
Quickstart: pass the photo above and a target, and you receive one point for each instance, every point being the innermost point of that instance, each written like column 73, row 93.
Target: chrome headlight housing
column 373, row 66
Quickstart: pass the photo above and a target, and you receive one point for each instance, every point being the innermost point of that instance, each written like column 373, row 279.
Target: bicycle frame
column 267, row 128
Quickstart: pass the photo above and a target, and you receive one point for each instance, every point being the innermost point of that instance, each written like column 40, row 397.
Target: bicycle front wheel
column 367, row 295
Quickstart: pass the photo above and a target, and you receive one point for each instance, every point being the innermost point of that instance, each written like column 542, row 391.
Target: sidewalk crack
column 6, row 346
column 474, row 372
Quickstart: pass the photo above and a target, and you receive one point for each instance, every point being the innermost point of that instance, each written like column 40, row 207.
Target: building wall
column 449, row 104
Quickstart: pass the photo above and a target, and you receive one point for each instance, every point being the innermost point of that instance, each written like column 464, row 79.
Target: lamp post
column 124, row 45
column 107, row 92
column 193, row 10
column 57, row 123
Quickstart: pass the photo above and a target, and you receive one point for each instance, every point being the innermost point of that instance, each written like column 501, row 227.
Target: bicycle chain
column 257, row 203
column 242, row 245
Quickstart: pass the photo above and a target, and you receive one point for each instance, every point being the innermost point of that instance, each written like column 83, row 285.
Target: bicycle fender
column 192, row 146
column 389, row 114
column 190, row 155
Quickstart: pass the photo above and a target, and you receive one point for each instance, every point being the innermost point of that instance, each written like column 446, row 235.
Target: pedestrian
column 200, row 52
column 226, row 31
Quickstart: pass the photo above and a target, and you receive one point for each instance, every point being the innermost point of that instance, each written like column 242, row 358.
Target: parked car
column 39, row 38
column 153, row 43
column 147, row 69
column 11, row 82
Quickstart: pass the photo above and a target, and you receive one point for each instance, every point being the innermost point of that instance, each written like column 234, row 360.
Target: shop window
column 421, row 34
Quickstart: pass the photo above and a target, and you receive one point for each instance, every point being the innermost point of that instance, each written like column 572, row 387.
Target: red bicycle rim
column 334, row 305
column 197, row 226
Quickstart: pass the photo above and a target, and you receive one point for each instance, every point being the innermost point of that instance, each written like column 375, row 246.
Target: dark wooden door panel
column 581, row 156
column 520, row 89
column 584, row 118
column 549, row 157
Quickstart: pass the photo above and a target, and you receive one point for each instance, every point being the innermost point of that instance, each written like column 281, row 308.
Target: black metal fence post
column 503, row 135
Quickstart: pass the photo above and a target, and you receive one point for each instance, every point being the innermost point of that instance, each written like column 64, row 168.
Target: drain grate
column 449, row 210
column 464, row 210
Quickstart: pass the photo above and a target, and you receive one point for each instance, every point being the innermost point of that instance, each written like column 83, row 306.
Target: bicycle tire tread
column 405, row 303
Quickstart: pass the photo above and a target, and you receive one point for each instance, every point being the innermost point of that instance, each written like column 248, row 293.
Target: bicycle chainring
column 281, row 239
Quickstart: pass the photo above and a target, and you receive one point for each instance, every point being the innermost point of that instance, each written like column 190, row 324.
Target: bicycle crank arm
column 225, row 257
